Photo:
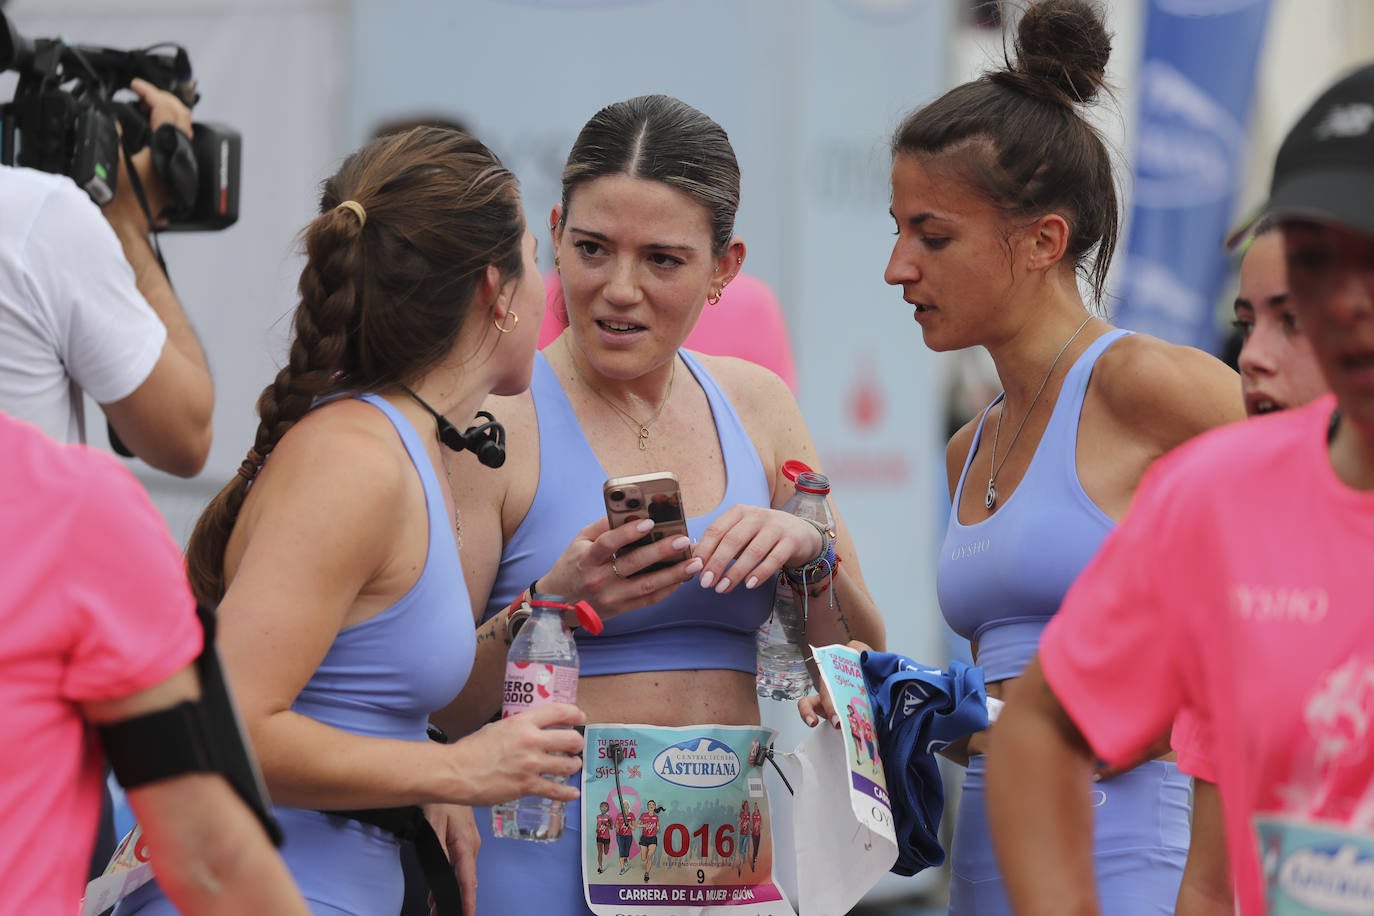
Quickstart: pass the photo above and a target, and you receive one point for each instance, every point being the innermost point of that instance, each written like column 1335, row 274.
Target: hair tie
column 248, row 470
column 357, row 210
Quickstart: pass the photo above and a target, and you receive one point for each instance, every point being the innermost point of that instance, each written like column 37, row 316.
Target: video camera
column 65, row 117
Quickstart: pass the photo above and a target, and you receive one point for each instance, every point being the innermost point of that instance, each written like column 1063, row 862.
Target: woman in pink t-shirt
column 624, row 835
column 648, row 835
column 745, row 833
column 1278, row 371
column 1235, row 592
column 755, row 833
column 603, row 836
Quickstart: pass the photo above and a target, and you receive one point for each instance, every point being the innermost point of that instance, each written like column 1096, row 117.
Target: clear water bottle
column 541, row 668
column 782, row 645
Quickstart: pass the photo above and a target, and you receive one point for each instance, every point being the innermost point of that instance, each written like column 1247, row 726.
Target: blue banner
column 1196, row 87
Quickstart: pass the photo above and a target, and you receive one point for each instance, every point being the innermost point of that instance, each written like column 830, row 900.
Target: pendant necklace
column 991, row 499
column 640, row 427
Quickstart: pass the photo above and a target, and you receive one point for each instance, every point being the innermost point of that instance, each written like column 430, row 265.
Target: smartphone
column 653, row 496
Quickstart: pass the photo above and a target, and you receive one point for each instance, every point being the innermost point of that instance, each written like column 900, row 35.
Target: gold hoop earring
column 555, row 263
column 714, row 298
column 514, row 320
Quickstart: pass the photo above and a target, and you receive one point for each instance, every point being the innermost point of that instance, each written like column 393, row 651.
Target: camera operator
column 85, row 306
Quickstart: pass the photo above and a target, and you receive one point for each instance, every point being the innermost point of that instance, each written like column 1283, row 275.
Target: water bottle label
column 532, row 684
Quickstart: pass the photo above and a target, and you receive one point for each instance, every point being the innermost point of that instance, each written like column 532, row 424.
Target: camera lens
column 618, row 495
column 633, row 503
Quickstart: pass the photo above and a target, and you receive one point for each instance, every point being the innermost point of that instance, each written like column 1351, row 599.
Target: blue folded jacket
column 917, row 710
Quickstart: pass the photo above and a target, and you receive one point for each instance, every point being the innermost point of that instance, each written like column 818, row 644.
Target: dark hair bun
column 1061, row 51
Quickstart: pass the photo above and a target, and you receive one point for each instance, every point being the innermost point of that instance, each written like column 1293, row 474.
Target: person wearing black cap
column 1234, row 591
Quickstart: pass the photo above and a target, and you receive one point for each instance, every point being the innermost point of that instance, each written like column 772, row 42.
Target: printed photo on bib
column 129, row 869
column 676, row 822
column 1312, row 869
column 844, row 681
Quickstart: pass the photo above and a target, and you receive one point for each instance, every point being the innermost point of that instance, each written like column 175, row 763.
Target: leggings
column 1140, row 843
column 515, row 877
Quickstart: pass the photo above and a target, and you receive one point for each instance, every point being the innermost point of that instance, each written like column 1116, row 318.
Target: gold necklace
column 640, row 427
column 990, row 499
column 457, row 518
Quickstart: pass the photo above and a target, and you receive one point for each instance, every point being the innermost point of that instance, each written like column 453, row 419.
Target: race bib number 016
column 676, row 822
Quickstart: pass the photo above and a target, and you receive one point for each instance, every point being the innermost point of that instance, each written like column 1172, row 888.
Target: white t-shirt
column 71, row 316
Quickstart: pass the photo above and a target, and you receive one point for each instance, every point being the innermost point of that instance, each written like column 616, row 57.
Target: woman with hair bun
column 1004, row 200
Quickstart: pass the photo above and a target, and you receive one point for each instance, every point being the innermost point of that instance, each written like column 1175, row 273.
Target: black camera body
column 64, row 119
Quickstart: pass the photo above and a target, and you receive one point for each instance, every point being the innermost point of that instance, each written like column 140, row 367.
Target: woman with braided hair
column 344, row 618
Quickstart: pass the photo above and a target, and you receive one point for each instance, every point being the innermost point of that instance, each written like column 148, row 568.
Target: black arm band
column 204, row 736
column 177, row 734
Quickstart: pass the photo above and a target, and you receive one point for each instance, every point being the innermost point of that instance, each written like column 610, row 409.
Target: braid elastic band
column 248, row 470
column 356, row 209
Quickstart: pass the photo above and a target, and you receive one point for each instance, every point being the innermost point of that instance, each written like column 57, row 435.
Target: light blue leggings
column 539, row 879
column 343, row 868
column 1140, row 843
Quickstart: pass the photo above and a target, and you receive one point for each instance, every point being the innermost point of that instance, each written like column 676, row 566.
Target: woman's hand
column 528, row 754
column 965, row 748
column 750, row 544
column 816, row 707
column 598, row 568
column 457, row 831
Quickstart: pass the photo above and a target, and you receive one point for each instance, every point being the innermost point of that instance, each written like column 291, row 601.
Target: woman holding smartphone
column 643, row 240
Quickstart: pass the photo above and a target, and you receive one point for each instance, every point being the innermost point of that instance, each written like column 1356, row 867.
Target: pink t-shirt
column 747, row 322
column 94, row 606
column 1190, row 742
column 1238, row 587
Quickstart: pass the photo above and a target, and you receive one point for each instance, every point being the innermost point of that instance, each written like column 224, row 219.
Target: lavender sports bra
column 1001, row 580
column 691, row 628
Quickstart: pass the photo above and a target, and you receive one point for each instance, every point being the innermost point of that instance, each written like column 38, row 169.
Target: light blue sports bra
column 691, row 628
column 1001, row 580
column 384, row 676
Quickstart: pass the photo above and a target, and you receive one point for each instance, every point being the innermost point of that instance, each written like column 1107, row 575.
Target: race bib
column 676, row 822
column 844, row 680
column 128, row 870
column 1314, row 869
column 842, row 816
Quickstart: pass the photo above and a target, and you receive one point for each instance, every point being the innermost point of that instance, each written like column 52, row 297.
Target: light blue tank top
column 384, row 676
column 381, row 678
column 1001, row 580
column 691, row 628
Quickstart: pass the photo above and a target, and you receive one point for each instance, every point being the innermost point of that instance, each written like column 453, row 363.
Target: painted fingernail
column 724, row 584
column 645, row 525
column 811, row 721
column 835, row 721
column 694, row 567
column 753, row 580
column 707, row 578
column 681, row 542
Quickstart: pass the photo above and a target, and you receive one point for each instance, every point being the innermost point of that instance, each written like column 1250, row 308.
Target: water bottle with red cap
column 541, row 668
column 781, row 641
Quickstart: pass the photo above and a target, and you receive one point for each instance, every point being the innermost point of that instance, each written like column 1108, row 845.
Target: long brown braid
column 387, row 283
